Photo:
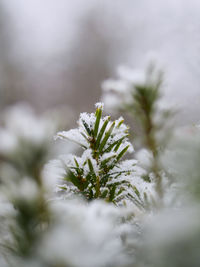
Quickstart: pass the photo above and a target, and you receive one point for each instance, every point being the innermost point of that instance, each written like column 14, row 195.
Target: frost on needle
column 100, row 172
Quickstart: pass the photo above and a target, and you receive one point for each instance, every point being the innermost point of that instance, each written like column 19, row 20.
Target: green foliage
column 99, row 173
column 139, row 94
column 153, row 121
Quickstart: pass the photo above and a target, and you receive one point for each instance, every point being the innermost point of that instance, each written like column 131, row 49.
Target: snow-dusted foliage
column 96, row 232
column 155, row 222
column 99, row 172
column 139, row 93
column 25, row 139
column 170, row 238
column 118, row 92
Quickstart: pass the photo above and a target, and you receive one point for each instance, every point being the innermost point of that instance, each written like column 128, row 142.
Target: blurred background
column 56, row 53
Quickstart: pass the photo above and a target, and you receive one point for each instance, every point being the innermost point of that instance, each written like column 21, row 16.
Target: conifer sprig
column 139, row 94
column 98, row 173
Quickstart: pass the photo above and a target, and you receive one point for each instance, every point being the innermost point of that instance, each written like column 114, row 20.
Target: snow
column 89, row 119
column 73, row 135
column 136, row 77
column 22, row 121
column 90, row 228
column 99, row 105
